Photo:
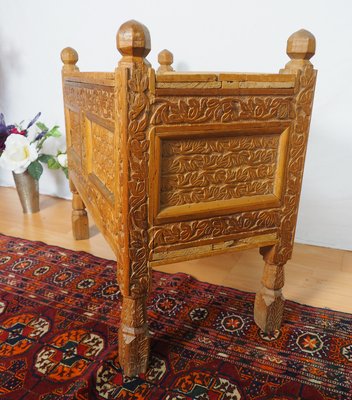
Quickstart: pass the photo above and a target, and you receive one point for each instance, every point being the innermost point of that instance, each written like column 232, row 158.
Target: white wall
column 203, row 35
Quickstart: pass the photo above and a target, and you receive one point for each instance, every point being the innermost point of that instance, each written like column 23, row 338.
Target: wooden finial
column 165, row 59
column 133, row 39
column 300, row 48
column 69, row 57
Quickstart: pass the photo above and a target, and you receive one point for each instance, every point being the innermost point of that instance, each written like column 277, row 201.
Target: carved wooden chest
column 174, row 166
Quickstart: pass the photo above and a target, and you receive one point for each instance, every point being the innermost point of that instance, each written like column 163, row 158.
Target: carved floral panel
column 99, row 101
column 209, row 169
column 76, row 133
column 191, row 233
column 196, row 110
column 103, row 157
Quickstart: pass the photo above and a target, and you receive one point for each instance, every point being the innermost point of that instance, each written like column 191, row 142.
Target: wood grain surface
column 178, row 166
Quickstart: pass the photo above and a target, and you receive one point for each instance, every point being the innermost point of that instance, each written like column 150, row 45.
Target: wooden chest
column 174, row 166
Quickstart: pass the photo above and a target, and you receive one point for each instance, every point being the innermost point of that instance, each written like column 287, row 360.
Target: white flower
column 62, row 159
column 18, row 153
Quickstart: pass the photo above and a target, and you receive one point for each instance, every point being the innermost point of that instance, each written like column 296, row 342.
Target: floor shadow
column 93, row 231
column 47, row 202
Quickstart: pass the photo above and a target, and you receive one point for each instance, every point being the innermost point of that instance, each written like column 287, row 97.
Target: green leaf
column 53, row 163
column 54, row 132
column 42, row 126
column 35, row 169
column 65, row 169
column 44, row 158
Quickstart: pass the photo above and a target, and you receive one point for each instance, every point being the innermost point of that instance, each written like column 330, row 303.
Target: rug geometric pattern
column 59, row 318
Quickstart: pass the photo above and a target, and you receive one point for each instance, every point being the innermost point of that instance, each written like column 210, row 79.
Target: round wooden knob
column 301, row 45
column 165, row 59
column 133, row 39
column 69, row 56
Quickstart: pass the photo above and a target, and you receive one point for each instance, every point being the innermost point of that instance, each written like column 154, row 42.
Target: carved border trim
column 195, row 110
column 137, row 185
column 297, row 152
column 192, row 233
column 99, row 100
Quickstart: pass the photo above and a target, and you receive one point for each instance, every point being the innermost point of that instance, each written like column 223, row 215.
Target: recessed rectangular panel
column 225, row 168
column 103, row 155
column 100, row 161
column 214, row 173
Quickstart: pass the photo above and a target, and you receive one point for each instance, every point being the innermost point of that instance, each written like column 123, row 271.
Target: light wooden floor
column 317, row 276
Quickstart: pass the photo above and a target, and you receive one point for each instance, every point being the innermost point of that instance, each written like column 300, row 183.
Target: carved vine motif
column 190, row 110
column 210, row 193
column 103, row 155
column 97, row 101
column 186, row 178
column 192, row 231
column 75, row 133
column 211, row 162
column 138, row 146
column 217, row 169
column 220, row 145
column 119, row 101
column 299, row 137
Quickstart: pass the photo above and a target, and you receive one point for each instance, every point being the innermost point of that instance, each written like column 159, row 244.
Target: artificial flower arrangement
column 21, row 150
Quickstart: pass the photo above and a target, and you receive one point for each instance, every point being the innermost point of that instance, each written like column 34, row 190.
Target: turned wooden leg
column 80, row 225
column 134, row 336
column 269, row 301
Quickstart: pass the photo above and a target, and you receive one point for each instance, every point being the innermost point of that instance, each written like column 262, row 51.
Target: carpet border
column 330, row 310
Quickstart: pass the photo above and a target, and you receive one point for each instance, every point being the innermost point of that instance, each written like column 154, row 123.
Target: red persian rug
column 59, row 316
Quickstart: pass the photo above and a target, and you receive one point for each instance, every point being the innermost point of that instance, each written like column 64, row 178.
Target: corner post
column 269, row 302
column 133, row 104
column 80, row 225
